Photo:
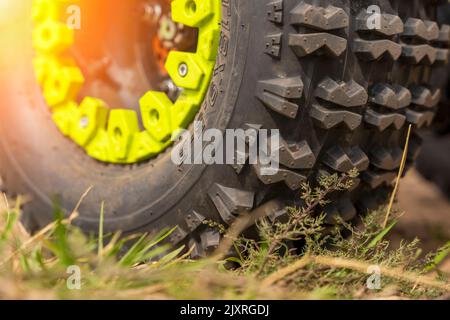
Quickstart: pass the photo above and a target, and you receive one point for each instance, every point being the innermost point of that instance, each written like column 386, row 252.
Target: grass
column 329, row 265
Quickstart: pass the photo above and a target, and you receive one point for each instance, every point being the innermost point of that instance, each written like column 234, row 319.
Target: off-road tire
column 341, row 94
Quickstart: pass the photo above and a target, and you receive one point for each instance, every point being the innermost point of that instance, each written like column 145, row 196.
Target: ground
column 426, row 214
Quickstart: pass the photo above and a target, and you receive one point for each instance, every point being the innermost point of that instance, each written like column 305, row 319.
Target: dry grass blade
column 100, row 230
column 399, row 176
column 285, row 272
column 355, row 265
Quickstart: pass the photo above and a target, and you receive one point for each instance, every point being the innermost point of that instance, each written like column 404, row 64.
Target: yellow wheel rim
column 114, row 135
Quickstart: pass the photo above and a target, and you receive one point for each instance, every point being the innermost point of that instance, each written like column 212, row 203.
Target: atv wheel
column 341, row 92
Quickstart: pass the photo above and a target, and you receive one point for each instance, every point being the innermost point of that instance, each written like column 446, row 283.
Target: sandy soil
column 426, row 214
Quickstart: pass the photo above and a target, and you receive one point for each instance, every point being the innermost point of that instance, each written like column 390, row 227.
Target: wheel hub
column 183, row 77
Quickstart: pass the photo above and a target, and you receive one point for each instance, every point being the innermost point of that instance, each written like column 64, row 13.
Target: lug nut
column 183, row 70
column 84, row 122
